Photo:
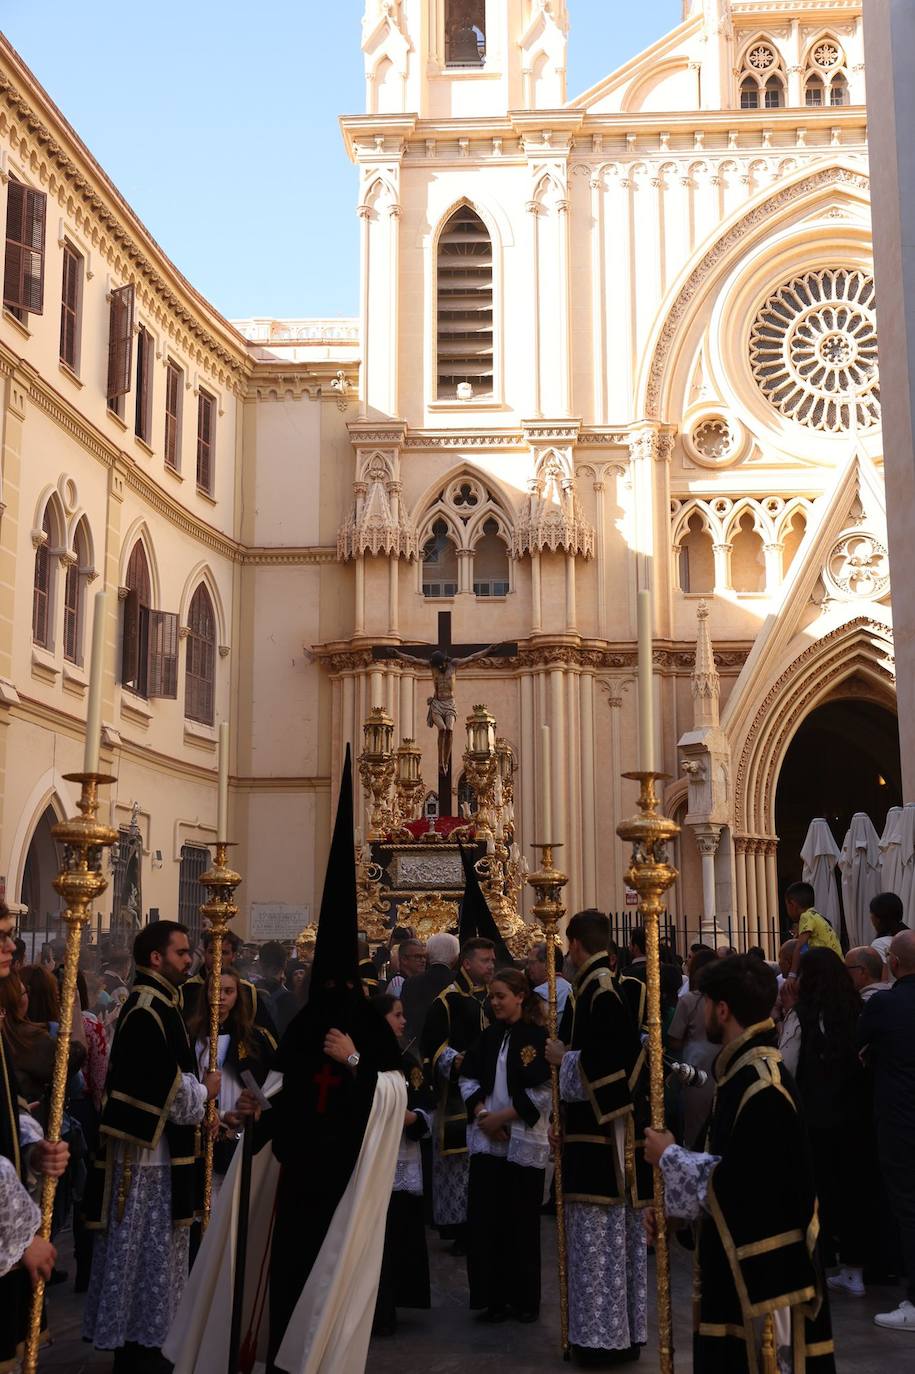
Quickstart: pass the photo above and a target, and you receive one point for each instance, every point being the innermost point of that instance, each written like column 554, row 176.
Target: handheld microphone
column 688, row 1075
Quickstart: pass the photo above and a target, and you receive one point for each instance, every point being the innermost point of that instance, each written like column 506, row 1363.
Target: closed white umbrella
column 820, row 855
column 907, row 859
column 860, row 865
column 890, row 852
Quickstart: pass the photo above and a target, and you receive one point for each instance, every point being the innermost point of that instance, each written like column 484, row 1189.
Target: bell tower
column 452, row 59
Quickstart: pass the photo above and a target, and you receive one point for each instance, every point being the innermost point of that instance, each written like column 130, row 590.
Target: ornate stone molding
column 551, row 520
column 377, row 523
column 434, row 440
column 761, row 214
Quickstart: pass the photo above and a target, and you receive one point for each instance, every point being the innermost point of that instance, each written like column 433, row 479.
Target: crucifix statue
column 443, row 660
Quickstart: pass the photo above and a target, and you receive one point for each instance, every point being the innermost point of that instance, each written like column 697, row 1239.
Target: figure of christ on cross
column 442, row 659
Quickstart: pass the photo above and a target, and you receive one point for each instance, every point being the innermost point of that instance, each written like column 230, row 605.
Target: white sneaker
column 847, row 1281
column 903, row 1319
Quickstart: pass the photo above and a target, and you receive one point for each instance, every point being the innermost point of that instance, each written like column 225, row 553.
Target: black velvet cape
column 456, row 1020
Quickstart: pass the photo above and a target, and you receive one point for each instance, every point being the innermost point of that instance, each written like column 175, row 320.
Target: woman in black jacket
column 505, row 1083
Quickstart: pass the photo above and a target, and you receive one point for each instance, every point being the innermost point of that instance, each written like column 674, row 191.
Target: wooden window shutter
column 173, row 376
column 23, row 276
column 69, row 308
column 163, row 654
column 206, row 407
column 130, row 641
column 120, row 342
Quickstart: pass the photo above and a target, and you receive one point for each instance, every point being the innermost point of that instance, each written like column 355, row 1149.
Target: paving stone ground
column 447, row 1339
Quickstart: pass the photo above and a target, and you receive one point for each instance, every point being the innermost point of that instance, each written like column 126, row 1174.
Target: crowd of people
column 803, row 1073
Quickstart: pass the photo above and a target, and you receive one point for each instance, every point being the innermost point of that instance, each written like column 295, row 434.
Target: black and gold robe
column 757, row 1239
column 456, row 1020
column 149, row 1054
column 15, row 1284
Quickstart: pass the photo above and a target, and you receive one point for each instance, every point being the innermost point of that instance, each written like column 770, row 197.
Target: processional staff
column 221, row 882
column 548, row 883
column 79, row 882
column 651, row 875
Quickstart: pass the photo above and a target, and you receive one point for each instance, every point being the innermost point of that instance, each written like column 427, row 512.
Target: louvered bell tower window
column 465, row 313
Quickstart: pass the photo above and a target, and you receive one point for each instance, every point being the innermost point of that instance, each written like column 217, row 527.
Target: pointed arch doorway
column 42, row 865
column 843, row 758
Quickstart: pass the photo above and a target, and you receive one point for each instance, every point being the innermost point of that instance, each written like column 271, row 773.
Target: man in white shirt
column 536, row 976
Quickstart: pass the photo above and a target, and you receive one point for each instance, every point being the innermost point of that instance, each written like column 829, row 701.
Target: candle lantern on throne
column 481, row 769
column 376, row 769
column 409, row 787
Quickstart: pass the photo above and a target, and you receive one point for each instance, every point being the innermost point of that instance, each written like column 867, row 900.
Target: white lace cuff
column 445, row 1060
column 189, row 1102
column 29, row 1130
column 19, row 1217
column 570, row 1084
column 468, row 1087
column 686, row 1179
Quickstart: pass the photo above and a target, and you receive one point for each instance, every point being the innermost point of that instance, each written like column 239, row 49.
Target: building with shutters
column 615, row 341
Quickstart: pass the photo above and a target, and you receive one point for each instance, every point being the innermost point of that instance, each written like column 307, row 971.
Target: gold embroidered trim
column 765, row 1247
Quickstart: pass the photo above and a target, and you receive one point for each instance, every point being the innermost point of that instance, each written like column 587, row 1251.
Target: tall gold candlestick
column 548, row 883
column 79, row 882
column 221, row 882
column 651, row 875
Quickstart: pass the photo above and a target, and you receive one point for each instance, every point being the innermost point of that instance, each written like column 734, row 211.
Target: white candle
column 646, row 703
column 546, row 787
column 96, row 682
column 222, row 819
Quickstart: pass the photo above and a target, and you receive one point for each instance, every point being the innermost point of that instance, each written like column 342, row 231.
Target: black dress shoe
column 492, row 1315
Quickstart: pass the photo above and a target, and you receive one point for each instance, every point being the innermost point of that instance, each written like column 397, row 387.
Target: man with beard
column 752, row 1194
column 146, row 1187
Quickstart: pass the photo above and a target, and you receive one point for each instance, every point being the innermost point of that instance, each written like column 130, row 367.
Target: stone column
column 599, row 299
column 722, row 556
column 771, row 897
column 536, row 595
column 707, row 840
column 558, row 750
column 565, row 333
column 394, row 213
column 600, row 543
column 571, row 602
column 588, row 792
column 393, row 596
column 365, row 214
column 359, row 609
column 527, row 780
column 889, row 41
column 752, row 928
column 772, row 553
column 465, row 571
column 762, row 894
column 533, row 210
column 407, row 702
column 740, row 871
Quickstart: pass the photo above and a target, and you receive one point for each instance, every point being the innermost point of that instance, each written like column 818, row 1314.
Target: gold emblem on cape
column 528, row 1055
column 416, row 1079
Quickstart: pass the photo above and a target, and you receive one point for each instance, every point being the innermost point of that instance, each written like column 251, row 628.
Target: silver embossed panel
column 425, row 870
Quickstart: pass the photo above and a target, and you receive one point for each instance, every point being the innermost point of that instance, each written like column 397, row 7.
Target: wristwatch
column 479, row 1116
column 353, row 1059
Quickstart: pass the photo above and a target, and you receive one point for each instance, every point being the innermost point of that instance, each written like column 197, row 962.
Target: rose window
column 713, row 438
column 813, row 350
column 761, row 58
column 826, row 55
column 858, row 566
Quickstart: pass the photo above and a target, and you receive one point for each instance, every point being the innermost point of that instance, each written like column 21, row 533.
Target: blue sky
column 218, row 123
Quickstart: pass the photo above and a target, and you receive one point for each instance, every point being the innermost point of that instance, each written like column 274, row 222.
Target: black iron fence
column 681, row 931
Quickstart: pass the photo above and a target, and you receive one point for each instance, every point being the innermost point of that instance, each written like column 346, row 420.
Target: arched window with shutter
column 149, row 643
column 465, row 308
column 490, row 562
column 200, row 662
column 440, row 570
column 42, row 600
column 75, row 594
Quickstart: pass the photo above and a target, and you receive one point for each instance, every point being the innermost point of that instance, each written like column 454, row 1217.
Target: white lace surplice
column 140, row 1263
column 19, row 1217
column 450, row 1173
column 526, row 1145
column 608, row 1264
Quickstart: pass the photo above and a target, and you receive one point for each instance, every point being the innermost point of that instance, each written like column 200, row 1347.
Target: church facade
column 621, row 341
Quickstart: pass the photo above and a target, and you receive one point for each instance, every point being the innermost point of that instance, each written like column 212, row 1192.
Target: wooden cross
column 325, row 1080
column 450, row 650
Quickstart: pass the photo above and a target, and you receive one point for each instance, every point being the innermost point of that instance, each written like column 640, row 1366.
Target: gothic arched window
column 825, row 81
column 465, row 308
column 762, row 79
column 200, row 659
column 697, row 558
column 748, row 566
column 42, row 599
column 135, row 636
column 465, row 33
column 440, row 570
column 490, row 562
column 74, row 595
